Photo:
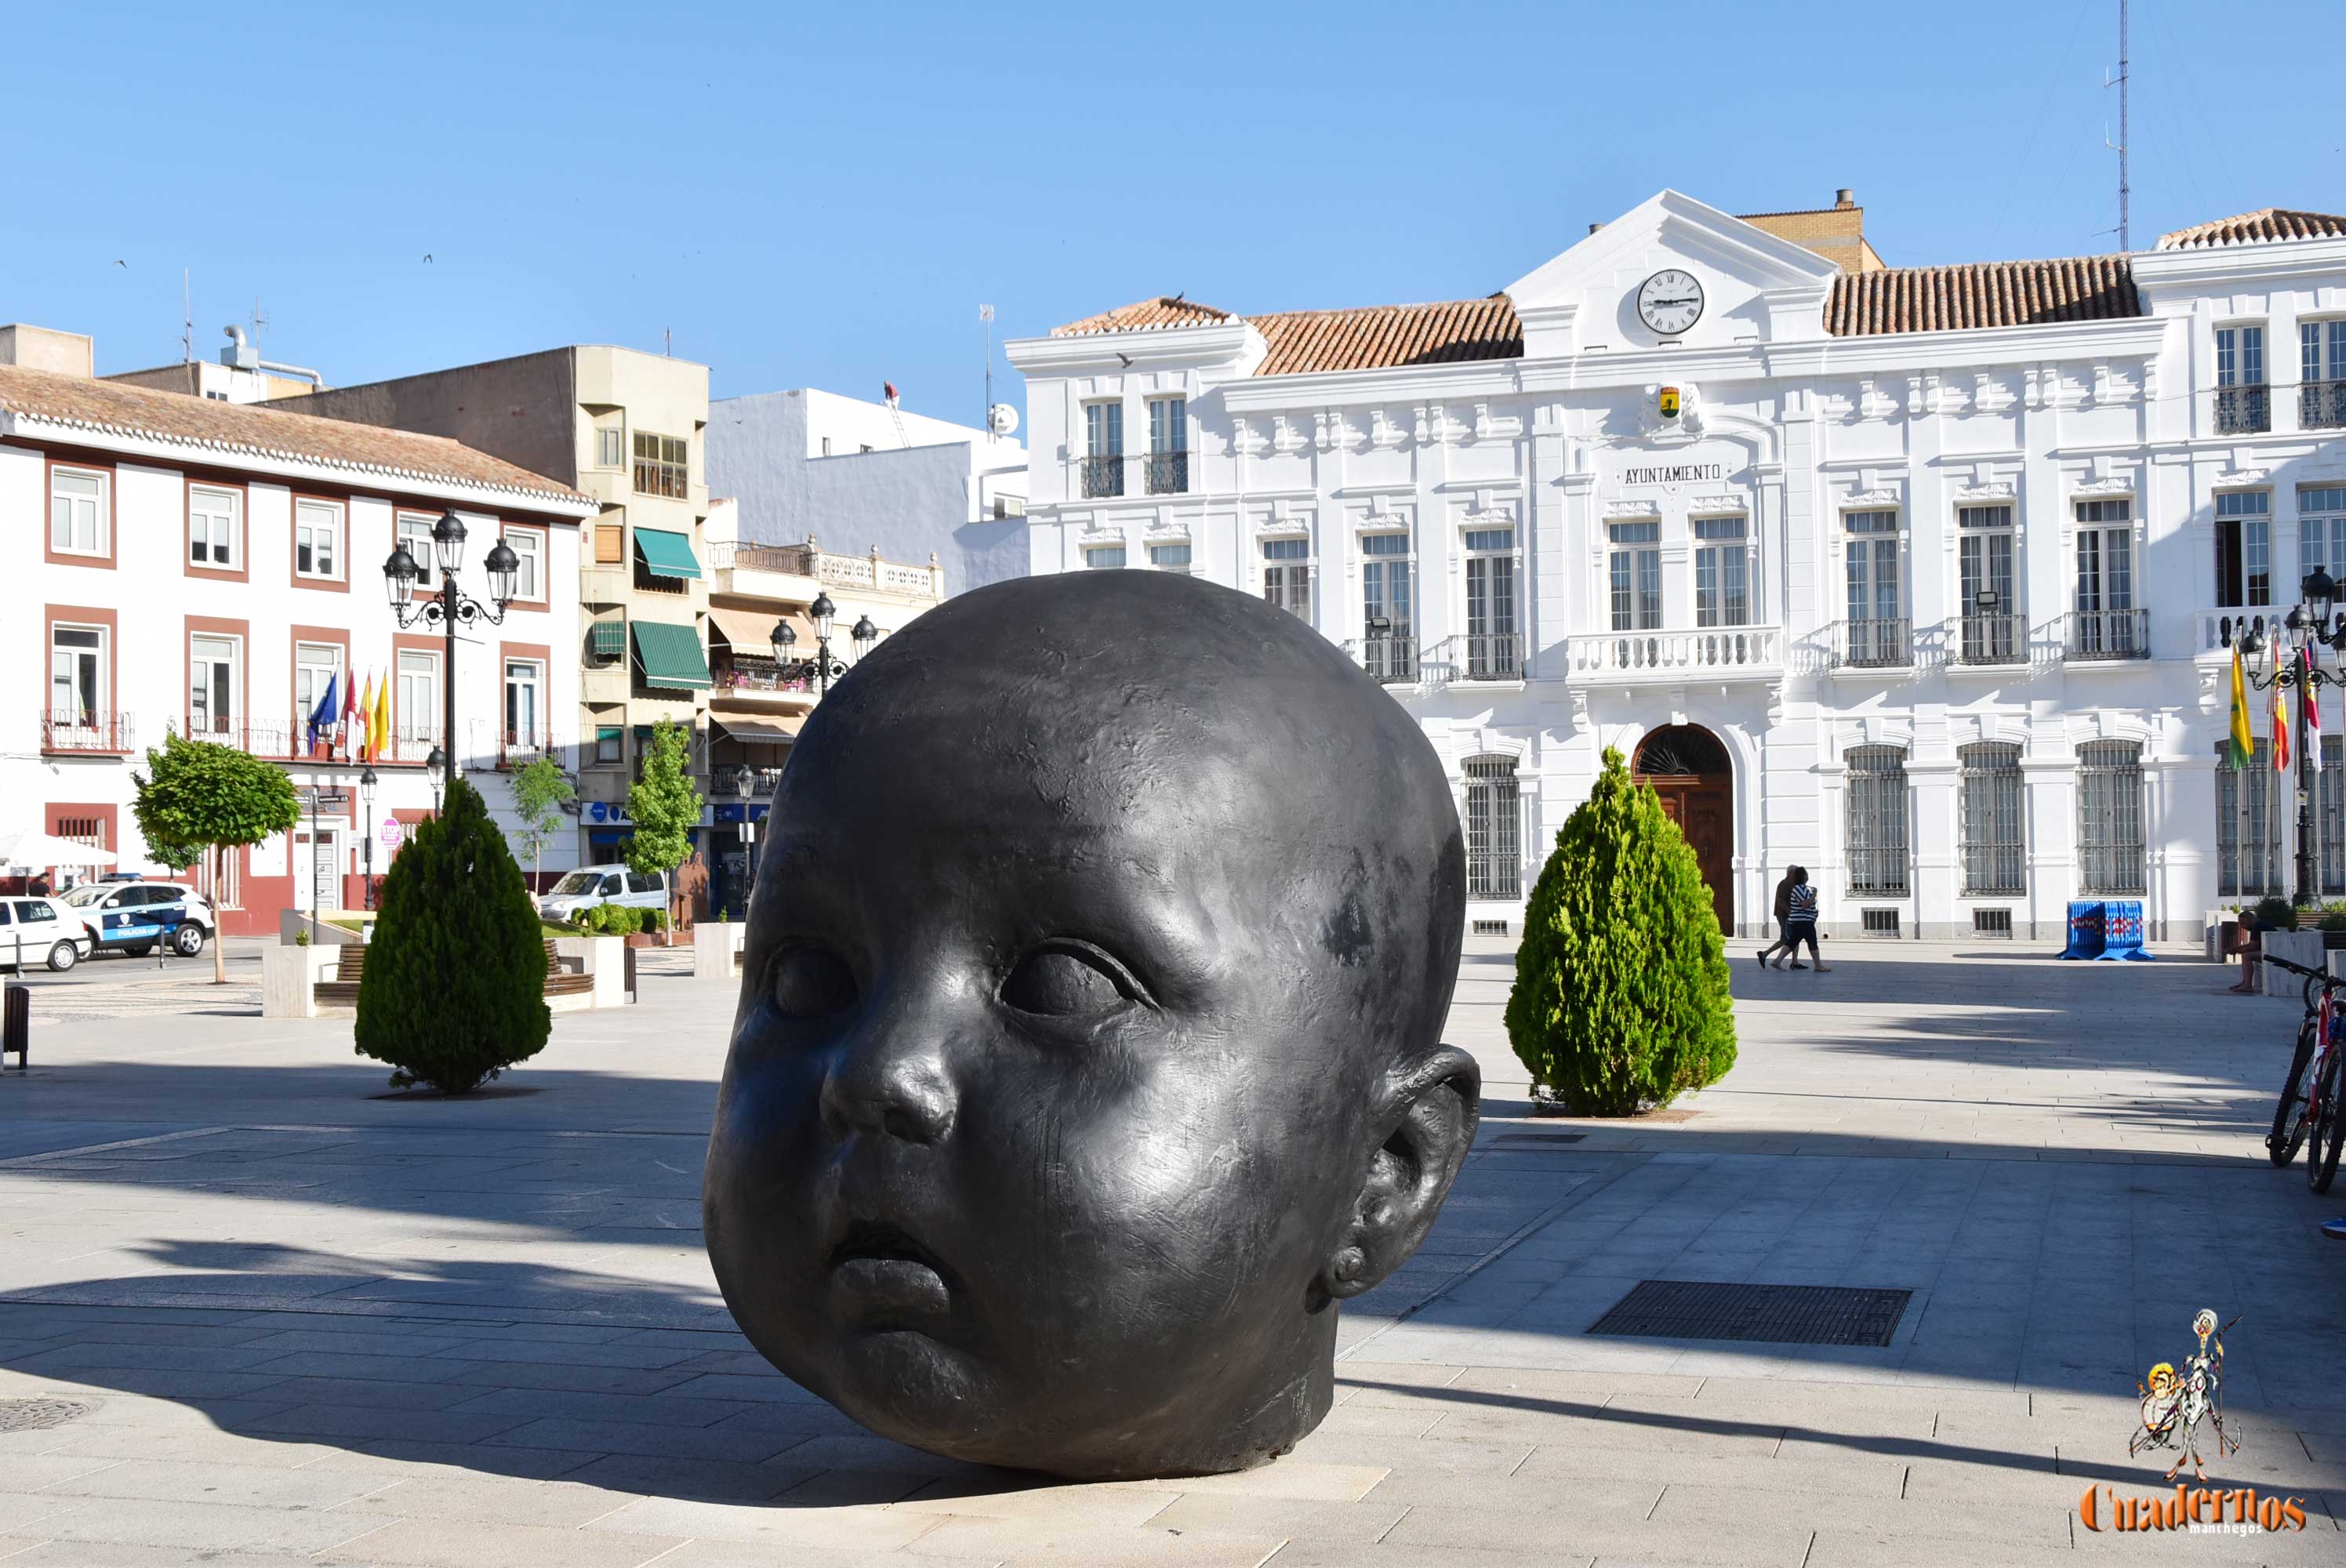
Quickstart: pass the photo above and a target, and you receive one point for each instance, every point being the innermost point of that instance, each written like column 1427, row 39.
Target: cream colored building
column 626, row 428
column 757, row 704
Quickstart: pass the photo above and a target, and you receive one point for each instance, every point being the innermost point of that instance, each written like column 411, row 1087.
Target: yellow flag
column 2240, row 745
column 381, row 717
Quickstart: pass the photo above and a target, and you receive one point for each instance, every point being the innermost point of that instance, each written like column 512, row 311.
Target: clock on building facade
column 1670, row 301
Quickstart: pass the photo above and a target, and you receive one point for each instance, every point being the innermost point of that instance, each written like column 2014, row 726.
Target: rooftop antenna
column 2126, row 233
column 260, row 325
column 186, row 320
column 668, row 342
column 985, row 318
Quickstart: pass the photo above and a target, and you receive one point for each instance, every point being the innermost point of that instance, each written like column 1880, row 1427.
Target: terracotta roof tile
column 250, row 429
column 2265, row 224
column 1378, row 336
column 1145, row 315
column 1981, row 294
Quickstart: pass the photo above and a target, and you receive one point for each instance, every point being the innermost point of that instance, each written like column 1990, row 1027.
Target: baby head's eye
column 811, row 982
column 1065, row 979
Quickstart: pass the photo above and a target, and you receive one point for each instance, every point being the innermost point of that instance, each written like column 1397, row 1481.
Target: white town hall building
column 1918, row 577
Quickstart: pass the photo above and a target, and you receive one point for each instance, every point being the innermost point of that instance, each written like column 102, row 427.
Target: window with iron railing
column 2242, row 406
column 1168, row 445
column 1877, row 810
column 1994, row 791
column 2321, row 375
column 2111, row 858
column 2321, row 529
column 1494, row 649
column 1388, row 607
column 2105, row 624
column 1103, row 462
column 2330, row 819
column 1495, row 857
column 1991, row 632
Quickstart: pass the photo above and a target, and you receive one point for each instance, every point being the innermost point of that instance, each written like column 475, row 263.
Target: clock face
column 1670, row 302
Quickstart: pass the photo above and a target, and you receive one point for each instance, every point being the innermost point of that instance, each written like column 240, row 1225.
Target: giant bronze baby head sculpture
column 1088, row 1048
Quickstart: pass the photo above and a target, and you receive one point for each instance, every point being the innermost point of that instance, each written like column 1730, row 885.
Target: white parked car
column 583, row 889
column 132, row 917
column 35, row 930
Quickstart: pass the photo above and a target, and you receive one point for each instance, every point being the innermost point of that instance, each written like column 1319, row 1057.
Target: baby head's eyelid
column 1118, row 972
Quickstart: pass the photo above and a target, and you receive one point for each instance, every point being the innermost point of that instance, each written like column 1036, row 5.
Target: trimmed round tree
column 200, row 797
column 454, row 991
column 1620, row 999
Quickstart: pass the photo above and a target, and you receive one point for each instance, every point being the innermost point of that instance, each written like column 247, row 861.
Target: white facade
column 1572, row 548
column 176, row 564
column 806, row 465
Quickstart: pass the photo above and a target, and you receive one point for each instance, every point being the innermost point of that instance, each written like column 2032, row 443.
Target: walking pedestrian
column 1783, row 913
column 1801, row 927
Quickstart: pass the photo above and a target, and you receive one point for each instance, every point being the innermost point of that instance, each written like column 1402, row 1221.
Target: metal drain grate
column 1777, row 1314
column 38, row 1415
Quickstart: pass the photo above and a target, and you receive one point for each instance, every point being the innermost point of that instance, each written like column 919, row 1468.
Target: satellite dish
column 1002, row 419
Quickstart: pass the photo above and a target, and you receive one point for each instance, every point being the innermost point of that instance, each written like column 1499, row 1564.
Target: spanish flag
column 2240, row 745
column 2279, row 715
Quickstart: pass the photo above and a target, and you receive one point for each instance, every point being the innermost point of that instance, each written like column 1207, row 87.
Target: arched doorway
column 1690, row 769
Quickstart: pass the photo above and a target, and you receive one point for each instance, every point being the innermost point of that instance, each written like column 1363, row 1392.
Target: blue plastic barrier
column 2107, row 928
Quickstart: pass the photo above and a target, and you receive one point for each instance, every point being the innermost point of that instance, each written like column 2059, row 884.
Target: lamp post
column 822, row 668
column 745, row 785
column 432, row 764
column 450, row 607
column 366, row 797
column 2305, row 627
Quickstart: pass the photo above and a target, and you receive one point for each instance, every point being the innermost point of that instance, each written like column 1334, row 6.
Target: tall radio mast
column 2126, row 232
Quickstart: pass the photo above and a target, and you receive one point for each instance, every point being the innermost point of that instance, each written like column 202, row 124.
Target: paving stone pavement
column 305, row 1320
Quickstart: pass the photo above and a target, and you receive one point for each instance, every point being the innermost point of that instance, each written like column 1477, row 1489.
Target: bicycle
column 2310, row 1104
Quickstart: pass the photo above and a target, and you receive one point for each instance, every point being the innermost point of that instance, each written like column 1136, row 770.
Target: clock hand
column 1659, row 304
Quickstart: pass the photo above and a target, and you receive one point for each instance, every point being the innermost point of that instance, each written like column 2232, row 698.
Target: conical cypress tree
column 1620, row 999
column 454, row 991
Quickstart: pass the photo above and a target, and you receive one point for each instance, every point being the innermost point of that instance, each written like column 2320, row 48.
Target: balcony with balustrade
column 753, row 683
column 2107, row 637
column 2243, row 410
column 86, row 732
column 1988, row 640
column 1885, row 645
column 1393, row 660
column 1726, row 654
column 1476, row 656
column 2322, row 405
column 794, row 574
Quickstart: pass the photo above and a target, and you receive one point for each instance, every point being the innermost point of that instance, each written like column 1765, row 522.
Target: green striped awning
column 670, row 656
column 609, row 639
column 666, row 553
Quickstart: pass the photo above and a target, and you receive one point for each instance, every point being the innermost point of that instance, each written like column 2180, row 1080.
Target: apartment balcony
column 87, row 733
column 791, row 574
column 2243, row 410
column 520, row 747
column 1166, row 473
column 1102, row 477
column 1882, row 643
column 1989, row 640
column 2098, row 636
column 600, row 585
column 1391, row 660
column 1657, row 656
column 761, row 688
column 1476, row 656
column 2322, row 405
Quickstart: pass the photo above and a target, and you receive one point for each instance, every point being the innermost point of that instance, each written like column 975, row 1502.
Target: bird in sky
column 119, row 261
column 427, row 258
column 1124, row 357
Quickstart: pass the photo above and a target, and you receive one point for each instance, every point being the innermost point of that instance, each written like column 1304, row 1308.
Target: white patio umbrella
column 30, row 849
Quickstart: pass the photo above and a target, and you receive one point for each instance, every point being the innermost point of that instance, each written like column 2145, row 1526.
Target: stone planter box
column 289, row 976
column 2305, row 947
column 717, row 947
column 605, row 958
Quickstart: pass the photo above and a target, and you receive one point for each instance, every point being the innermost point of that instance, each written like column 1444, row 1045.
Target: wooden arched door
column 1690, row 769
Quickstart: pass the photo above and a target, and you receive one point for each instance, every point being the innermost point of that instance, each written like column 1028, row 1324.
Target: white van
column 35, row 930
column 583, row 889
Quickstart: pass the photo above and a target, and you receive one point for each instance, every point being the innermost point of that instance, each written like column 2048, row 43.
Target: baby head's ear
column 1423, row 1126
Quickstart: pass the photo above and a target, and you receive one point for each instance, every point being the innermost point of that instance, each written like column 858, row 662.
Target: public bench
column 343, row 991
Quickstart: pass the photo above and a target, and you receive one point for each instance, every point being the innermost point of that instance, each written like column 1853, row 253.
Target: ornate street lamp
column 435, row 764
column 822, row 668
column 2305, row 627
column 367, row 782
column 450, row 607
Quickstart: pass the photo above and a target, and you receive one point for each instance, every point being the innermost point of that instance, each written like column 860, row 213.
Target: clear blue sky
column 822, row 195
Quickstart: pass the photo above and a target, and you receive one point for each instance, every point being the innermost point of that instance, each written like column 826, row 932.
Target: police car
column 132, row 917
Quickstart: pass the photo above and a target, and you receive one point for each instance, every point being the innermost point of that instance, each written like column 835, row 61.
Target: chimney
column 1594, row 227
column 1844, row 198
column 45, row 349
